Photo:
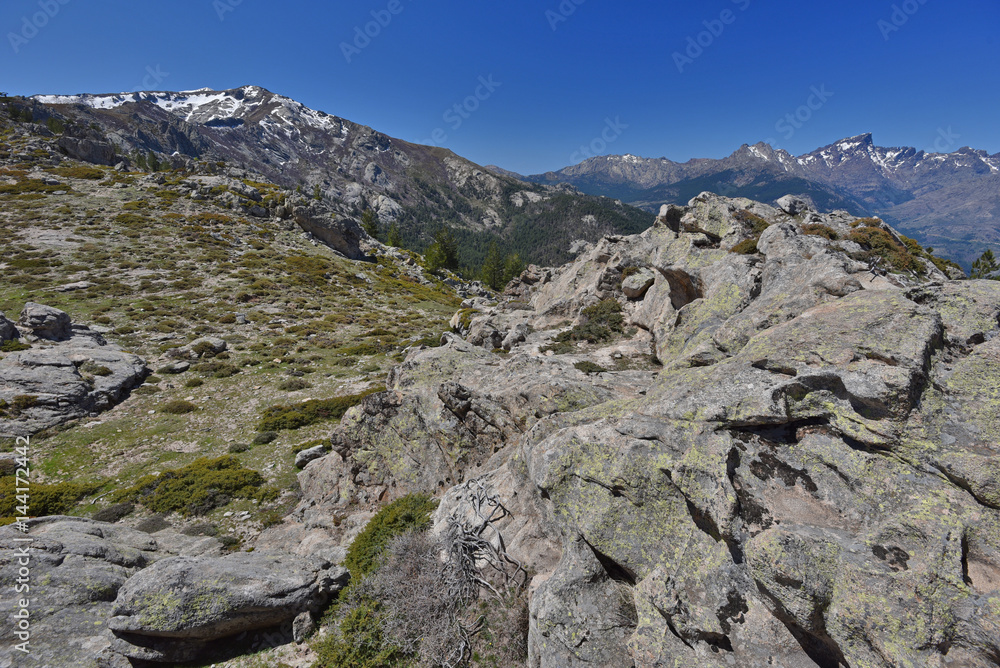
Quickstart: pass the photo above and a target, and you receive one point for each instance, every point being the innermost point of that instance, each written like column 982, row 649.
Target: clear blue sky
column 564, row 67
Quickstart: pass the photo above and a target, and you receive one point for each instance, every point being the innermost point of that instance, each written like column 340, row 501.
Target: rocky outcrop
column 69, row 372
column 44, row 322
column 809, row 478
column 88, row 150
column 8, row 330
column 341, row 234
column 76, row 568
column 171, row 611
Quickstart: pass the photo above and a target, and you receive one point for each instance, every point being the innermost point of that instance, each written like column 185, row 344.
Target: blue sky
column 542, row 84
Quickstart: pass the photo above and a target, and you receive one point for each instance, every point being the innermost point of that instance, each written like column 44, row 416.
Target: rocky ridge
column 808, row 480
column 783, row 456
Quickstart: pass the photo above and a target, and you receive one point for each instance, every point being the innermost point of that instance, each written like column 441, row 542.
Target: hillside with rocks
column 348, row 166
column 750, row 435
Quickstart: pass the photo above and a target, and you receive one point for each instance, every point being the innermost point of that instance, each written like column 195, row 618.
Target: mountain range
column 352, row 167
column 950, row 201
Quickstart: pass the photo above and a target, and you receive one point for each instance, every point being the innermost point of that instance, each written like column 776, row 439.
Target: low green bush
column 277, row 418
column 601, row 322
column 13, row 346
column 178, row 407
column 198, row 488
column 745, row 247
column 43, row 499
column 409, row 513
column 589, row 367
column 819, row 230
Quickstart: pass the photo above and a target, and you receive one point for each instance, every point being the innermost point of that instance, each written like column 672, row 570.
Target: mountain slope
column 950, row 200
column 352, row 166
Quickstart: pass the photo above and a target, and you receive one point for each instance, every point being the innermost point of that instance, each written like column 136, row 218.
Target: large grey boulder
column 69, row 373
column 76, row 568
column 341, row 234
column 88, row 150
column 169, row 611
column 793, row 205
column 44, row 322
column 8, row 330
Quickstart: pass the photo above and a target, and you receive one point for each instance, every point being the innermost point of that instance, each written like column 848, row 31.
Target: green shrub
column 816, row 229
column 879, row 242
column 602, row 322
column 80, row 172
column 237, row 448
column 409, row 513
column 194, row 382
column 293, row 384
column 95, row 369
column 589, row 367
column 265, row 437
column 44, row 499
column 197, row 488
column 756, row 223
column 178, row 407
column 13, row 346
column 357, row 642
column 745, row 247
column 277, row 418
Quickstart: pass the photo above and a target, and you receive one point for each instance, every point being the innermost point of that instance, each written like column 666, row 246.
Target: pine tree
column 394, row 238
column 512, row 268
column 493, row 266
column 449, row 247
column 369, row 223
column 434, row 257
column 985, row 265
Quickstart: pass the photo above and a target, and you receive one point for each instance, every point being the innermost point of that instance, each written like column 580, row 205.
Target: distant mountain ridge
column 352, row 166
column 948, row 200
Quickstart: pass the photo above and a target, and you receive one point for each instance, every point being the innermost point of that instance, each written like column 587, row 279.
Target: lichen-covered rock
column 809, row 479
column 77, row 567
column 167, row 612
column 341, row 234
column 57, row 381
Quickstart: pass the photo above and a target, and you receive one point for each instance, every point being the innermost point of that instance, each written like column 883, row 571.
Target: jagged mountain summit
column 947, row 200
column 352, row 166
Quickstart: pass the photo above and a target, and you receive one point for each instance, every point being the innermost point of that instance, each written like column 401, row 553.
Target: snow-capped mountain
column 350, row 165
column 948, row 200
